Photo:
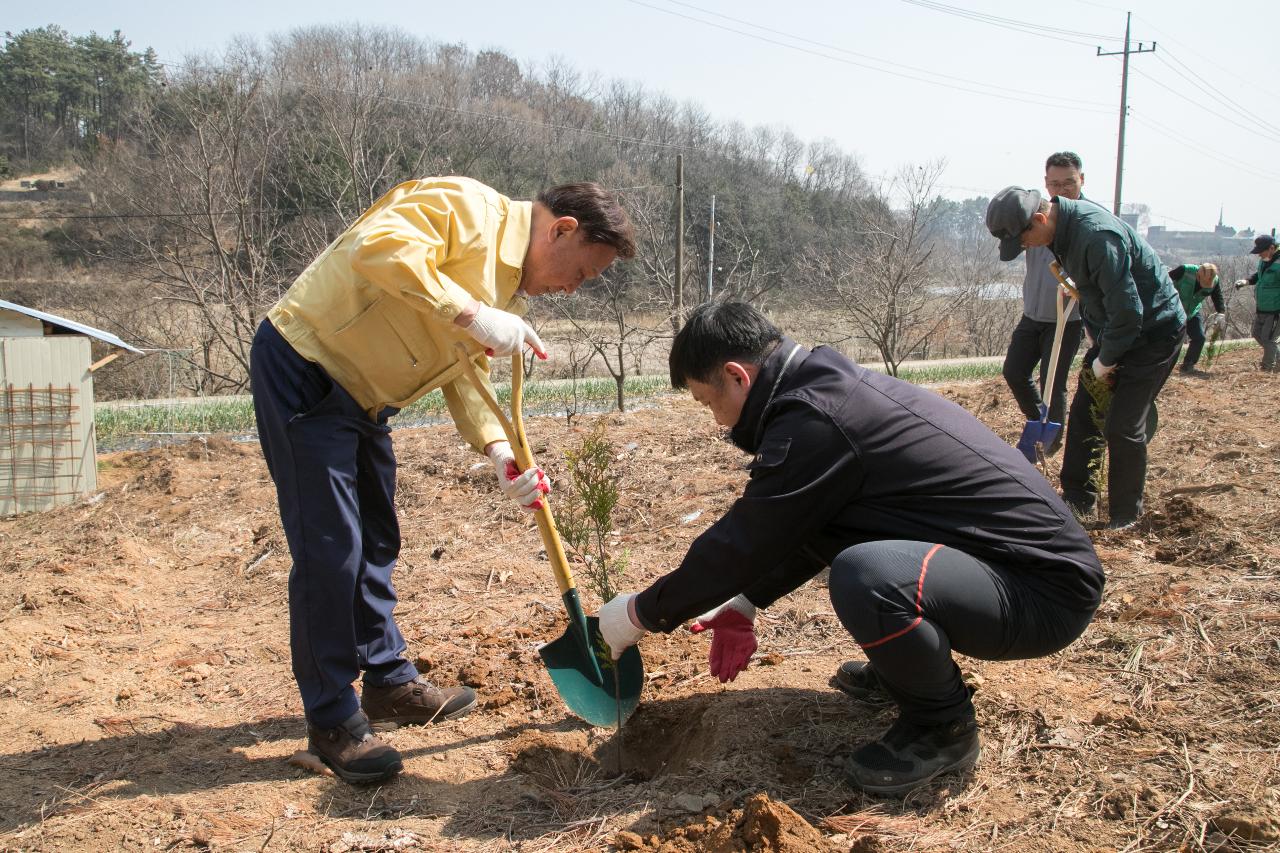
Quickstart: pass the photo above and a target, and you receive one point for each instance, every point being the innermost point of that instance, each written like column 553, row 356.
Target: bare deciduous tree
column 885, row 285
column 197, row 222
column 610, row 317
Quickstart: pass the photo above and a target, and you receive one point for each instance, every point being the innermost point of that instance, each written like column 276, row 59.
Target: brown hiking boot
column 354, row 752
column 414, row 703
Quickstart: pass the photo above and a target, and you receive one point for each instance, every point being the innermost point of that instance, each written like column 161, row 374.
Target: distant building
column 1189, row 246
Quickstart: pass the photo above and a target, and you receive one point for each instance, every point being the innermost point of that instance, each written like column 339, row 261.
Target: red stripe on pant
column 924, row 568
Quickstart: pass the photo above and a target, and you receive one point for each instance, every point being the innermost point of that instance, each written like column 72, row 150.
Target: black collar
column 782, row 362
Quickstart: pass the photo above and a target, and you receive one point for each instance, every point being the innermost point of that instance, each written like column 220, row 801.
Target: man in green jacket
column 1135, row 320
column 1266, row 320
column 1196, row 283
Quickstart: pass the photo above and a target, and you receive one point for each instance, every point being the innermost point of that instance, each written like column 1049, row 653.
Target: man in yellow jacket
column 369, row 327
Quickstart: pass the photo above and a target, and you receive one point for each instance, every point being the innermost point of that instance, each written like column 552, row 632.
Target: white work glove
column 1103, row 372
column 1241, row 282
column 1219, row 322
column 733, row 637
column 503, row 333
column 619, row 626
column 525, row 488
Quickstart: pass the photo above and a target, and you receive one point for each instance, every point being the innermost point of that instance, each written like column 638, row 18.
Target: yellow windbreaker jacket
column 376, row 309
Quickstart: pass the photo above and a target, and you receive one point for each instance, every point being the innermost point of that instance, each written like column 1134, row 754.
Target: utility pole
column 711, row 249
column 1124, row 104
column 678, row 317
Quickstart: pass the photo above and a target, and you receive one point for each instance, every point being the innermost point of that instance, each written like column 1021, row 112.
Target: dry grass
column 146, row 700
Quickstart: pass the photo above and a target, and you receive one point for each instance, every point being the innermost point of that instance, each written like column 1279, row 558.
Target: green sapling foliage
column 586, row 512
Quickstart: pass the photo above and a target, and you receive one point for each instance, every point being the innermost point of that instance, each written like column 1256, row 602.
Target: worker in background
column 1266, row 318
column 1195, row 283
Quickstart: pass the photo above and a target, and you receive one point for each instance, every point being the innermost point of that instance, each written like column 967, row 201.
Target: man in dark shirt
column 939, row 536
column 1134, row 317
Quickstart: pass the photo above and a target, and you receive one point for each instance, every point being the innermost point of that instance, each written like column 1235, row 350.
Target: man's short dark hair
column 716, row 333
column 598, row 212
column 1065, row 160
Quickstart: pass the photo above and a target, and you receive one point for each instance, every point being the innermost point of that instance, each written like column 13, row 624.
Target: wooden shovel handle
column 1072, row 295
column 524, row 457
column 1063, row 280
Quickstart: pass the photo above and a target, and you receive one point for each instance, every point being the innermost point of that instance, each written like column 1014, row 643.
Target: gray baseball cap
column 1008, row 215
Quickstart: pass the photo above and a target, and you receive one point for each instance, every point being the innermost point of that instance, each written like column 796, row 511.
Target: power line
column 838, row 48
column 1174, row 135
column 1212, row 91
column 1210, row 110
column 1251, row 83
column 1057, row 104
column 1197, row 225
column 202, row 214
column 1057, row 33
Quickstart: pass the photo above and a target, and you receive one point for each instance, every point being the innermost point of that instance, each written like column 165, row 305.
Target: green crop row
column 120, row 426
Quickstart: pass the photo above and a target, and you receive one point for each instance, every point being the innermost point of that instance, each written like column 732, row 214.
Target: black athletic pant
column 1140, row 375
column 1032, row 344
column 910, row 604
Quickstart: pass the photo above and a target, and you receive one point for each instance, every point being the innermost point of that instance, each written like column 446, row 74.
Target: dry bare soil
column 146, row 701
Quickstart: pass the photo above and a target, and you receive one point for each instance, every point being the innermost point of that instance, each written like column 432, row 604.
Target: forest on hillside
column 202, row 188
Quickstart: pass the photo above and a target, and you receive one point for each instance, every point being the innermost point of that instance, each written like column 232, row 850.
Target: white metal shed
column 47, row 453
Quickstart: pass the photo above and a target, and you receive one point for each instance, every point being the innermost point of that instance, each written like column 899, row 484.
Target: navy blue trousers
column 335, row 476
column 909, row 604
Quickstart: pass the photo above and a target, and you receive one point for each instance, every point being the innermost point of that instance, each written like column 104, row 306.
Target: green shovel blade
column 602, row 691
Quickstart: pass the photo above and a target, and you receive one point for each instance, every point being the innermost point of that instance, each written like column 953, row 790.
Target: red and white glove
column 733, row 637
column 525, row 488
column 503, row 333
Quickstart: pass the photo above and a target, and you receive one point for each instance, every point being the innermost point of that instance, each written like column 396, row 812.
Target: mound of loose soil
column 760, row 826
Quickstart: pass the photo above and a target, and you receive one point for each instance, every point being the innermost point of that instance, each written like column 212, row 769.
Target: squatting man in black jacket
column 939, row 536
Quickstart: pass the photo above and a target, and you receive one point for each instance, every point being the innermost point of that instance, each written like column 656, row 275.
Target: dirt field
column 146, row 701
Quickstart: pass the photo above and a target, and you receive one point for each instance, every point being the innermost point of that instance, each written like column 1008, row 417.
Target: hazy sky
column 1203, row 128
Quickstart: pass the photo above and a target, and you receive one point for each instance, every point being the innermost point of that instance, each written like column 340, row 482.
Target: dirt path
column 146, row 700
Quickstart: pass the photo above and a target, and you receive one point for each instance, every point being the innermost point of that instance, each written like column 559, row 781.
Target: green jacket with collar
column 1126, row 296
column 1267, row 278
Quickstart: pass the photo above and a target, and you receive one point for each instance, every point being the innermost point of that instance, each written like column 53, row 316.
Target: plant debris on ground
column 146, row 699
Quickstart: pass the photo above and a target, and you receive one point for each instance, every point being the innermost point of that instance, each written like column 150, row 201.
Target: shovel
column 1039, row 434
column 597, row 688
